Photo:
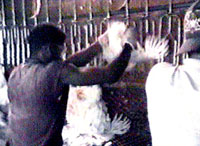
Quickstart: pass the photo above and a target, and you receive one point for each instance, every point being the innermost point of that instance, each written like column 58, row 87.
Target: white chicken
column 88, row 119
column 118, row 33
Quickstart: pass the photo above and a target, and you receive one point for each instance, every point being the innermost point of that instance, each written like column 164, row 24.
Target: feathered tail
column 119, row 125
column 156, row 47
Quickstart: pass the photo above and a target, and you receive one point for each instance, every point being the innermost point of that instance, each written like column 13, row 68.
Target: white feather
column 119, row 125
column 154, row 48
column 3, row 88
column 3, row 97
column 112, row 41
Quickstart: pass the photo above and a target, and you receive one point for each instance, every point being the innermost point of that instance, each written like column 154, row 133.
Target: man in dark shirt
column 38, row 88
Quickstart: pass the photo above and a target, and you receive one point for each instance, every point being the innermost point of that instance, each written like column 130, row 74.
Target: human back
column 38, row 89
column 37, row 101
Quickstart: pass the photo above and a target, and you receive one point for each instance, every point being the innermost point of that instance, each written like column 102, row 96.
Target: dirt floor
column 128, row 97
column 131, row 101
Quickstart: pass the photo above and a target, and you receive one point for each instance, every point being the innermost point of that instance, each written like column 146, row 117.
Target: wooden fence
column 83, row 23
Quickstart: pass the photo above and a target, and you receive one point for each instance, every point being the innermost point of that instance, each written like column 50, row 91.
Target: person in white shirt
column 173, row 92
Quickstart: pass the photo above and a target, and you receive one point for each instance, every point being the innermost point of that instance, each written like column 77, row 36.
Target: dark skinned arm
column 84, row 56
column 95, row 75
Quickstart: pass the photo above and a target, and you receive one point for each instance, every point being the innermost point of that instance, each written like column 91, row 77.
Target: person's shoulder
column 160, row 73
column 161, row 68
column 11, row 73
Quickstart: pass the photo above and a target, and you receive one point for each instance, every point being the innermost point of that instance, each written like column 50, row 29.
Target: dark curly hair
column 45, row 34
column 46, row 38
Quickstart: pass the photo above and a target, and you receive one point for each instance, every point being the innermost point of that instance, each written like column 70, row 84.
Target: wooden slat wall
column 15, row 21
column 141, row 3
column 99, row 6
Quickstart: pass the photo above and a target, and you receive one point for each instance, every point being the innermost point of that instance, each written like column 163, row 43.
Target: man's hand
column 128, row 46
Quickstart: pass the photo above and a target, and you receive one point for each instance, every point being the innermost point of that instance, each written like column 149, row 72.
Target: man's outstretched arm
column 94, row 75
column 84, row 56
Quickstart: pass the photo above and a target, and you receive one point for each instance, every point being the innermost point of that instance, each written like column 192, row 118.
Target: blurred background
column 83, row 21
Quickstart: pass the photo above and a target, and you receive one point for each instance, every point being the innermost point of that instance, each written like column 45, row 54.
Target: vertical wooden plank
column 170, row 18
column 1, row 45
column 127, row 15
column 72, row 39
column 79, row 37
column 2, row 17
column 23, row 13
column 13, row 13
column 147, row 15
column 46, row 10
column 90, row 18
column 60, row 11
